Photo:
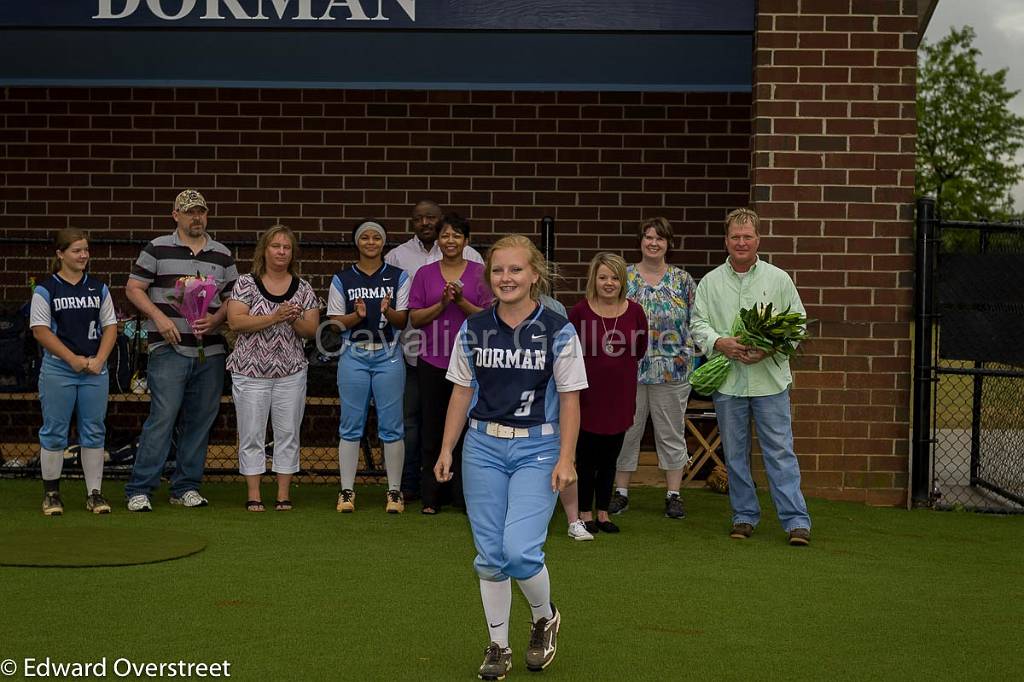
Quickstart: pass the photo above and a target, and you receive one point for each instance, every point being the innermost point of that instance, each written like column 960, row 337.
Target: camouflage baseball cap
column 188, row 199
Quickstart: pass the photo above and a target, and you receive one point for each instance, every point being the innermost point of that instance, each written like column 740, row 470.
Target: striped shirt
column 166, row 259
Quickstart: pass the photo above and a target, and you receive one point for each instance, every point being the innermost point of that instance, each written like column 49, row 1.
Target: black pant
column 435, row 393
column 596, row 454
column 411, row 409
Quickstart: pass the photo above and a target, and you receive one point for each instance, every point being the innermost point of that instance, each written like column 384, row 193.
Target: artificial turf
column 313, row 594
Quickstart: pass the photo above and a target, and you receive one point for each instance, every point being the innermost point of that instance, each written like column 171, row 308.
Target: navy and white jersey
column 351, row 284
column 75, row 313
column 517, row 374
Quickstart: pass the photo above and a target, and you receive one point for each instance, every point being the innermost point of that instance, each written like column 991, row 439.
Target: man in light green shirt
column 757, row 386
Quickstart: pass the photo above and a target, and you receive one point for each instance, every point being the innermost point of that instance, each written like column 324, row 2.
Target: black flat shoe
column 592, row 527
column 607, row 527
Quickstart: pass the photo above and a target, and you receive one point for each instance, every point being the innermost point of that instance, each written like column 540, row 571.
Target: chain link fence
column 978, row 425
column 128, row 407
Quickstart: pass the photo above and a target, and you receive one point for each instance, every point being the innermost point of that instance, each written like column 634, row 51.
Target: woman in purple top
column 613, row 334
column 443, row 295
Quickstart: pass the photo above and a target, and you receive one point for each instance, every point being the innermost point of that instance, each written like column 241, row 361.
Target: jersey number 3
column 524, row 407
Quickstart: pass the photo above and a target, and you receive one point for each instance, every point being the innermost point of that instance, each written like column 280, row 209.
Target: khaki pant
column 666, row 403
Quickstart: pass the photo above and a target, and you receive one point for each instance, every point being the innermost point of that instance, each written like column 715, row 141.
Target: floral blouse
column 667, row 306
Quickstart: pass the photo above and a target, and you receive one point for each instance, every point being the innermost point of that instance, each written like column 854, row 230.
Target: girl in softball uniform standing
column 518, row 371
column 370, row 300
column 73, row 319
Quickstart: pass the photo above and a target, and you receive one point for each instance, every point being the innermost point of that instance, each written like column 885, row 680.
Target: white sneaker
column 578, row 531
column 190, row 499
column 139, row 503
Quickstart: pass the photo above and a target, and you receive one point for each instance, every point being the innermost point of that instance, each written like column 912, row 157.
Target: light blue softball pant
column 61, row 389
column 381, row 373
column 507, row 486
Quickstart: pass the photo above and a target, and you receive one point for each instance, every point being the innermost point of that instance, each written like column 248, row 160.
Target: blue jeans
column 177, row 384
column 63, row 391
column 774, row 424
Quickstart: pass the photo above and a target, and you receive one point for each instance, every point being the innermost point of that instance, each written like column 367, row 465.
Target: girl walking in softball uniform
column 72, row 318
column 370, row 301
column 518, row 371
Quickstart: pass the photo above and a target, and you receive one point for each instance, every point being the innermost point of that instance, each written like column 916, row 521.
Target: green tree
column 967, row 136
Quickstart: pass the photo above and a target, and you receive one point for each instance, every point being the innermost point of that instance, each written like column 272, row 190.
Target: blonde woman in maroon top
column 613, row 334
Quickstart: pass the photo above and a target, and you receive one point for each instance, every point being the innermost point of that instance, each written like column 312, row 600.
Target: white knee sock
column 497, row 599
column 538, row 592
column 348, row 462
column 394, row 460
column 92, row 468
column 51, row 462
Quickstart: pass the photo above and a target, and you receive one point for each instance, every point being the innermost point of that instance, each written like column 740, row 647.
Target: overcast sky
column 999, row 25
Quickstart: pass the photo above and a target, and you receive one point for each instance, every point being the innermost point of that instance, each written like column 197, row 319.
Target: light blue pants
column 507, row 485
column 773, row 420
column 61, row 390
column 184, row 399
column 380, row 373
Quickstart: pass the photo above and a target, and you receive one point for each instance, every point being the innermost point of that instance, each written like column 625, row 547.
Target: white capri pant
column 284, row 400
column 666, row 403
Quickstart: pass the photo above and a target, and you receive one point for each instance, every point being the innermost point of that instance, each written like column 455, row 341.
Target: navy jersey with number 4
column 75, row 313
column 518, row 373
column 352, row 284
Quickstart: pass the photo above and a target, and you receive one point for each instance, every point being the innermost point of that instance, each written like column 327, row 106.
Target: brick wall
column 111, row 161
column 828, row 162
column 832, row 173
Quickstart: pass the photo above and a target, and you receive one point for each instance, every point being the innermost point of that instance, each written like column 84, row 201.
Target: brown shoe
column 741, row 531
column 800, row 537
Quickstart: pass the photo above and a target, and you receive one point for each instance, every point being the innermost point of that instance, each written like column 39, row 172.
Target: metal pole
column 923, row 352
column 979, row 381
column 547, row 237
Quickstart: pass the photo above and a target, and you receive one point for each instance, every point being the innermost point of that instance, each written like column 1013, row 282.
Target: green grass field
column 312, row 594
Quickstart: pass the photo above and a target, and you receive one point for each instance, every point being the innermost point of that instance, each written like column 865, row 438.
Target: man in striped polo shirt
column 174, row 369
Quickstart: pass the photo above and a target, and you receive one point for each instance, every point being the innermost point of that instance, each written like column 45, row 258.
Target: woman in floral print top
column 666, row 294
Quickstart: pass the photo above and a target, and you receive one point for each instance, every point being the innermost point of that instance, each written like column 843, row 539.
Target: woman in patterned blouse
column 666, row 294
column 272, row 310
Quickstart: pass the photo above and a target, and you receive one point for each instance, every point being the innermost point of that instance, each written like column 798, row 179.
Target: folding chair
column 702, row 423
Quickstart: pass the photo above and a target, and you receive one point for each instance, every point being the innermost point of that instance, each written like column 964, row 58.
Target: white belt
column 368, row 345
column 501, row 431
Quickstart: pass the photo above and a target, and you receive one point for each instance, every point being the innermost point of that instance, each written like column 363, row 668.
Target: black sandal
column 254, row 506
column 283, row 505
column 428, row 511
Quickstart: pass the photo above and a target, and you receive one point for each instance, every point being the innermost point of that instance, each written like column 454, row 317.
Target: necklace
column 608, row 348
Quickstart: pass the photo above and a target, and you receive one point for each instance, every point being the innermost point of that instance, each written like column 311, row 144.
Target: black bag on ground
column 322, row 354
column 121, row 365
column 19, row 352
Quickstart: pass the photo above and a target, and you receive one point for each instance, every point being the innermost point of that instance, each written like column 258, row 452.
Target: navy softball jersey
column 75, row 313
column 517, row 373
column 352, row 283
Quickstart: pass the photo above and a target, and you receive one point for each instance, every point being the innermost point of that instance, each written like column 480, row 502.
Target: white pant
column 666, row 403
column 284, row 400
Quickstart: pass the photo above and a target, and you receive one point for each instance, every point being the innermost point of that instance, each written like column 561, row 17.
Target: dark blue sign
column 727, row 16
